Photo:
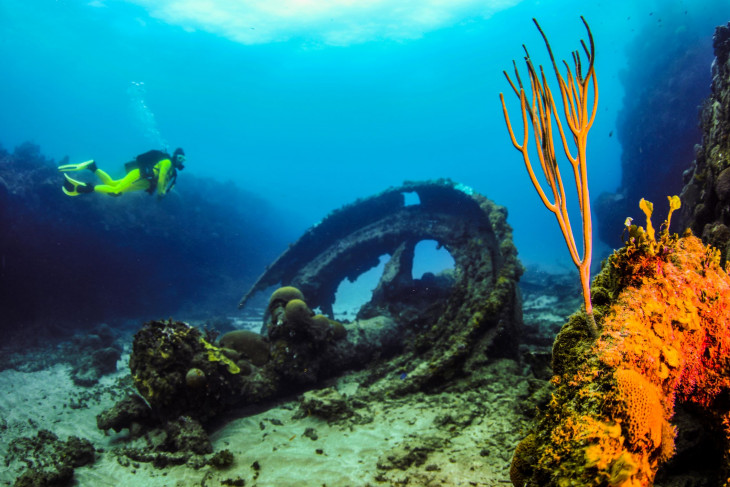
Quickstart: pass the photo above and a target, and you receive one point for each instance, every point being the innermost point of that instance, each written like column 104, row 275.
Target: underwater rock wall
column 665, row 83
column 86, row 259
column 706, row 194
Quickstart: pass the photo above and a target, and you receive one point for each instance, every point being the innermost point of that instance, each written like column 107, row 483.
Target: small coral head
column 283, row 295
column 298, row 312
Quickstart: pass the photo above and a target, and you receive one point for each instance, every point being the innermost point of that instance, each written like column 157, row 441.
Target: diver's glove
column 90, row 165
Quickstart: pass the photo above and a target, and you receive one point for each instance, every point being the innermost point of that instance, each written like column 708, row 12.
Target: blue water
column 314, row 104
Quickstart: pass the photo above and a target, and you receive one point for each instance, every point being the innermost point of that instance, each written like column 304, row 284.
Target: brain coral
column 639, row 405
column 252, row 345
column 298, row 312
column 283, row 295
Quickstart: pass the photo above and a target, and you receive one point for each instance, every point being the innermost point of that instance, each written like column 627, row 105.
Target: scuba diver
column 154, row 171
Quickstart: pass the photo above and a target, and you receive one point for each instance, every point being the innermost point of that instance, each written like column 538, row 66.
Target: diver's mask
column 179, row 161
column 178, row 158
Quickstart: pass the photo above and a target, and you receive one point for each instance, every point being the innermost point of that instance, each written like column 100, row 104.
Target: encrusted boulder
column 182, row 373
column 179, row 372
column 663, row 336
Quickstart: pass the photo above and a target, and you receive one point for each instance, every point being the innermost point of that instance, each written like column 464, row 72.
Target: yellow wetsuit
column 154, row 171
column 162, row 175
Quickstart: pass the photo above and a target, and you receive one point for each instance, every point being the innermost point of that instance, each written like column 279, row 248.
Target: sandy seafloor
column 463, row 436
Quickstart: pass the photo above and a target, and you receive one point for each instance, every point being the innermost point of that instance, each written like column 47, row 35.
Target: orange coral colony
column 665, row 339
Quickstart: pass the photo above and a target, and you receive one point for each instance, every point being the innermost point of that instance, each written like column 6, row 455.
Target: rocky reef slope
column 83, row 260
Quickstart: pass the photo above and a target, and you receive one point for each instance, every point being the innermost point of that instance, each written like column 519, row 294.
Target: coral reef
column 706, row 191
column 663, row 306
